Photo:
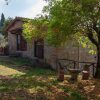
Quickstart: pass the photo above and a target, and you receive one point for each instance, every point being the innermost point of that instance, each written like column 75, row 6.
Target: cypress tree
column 2, row 20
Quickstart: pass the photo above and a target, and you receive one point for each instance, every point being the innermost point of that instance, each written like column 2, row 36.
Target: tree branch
column 96, row 30
column 91, row 38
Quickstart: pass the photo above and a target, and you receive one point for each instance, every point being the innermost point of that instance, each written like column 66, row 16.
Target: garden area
column 63, row 37
column 19, row 80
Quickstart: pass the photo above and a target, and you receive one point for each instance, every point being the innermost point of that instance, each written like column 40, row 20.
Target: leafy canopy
column 66, row 18
column 69, row 17
column 35, row 28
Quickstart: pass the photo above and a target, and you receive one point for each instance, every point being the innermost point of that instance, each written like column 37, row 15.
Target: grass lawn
column 19, row 81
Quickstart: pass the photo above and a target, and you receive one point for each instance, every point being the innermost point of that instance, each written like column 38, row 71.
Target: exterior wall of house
column 12, row 43
column 50, row 54
column 30, row 50
column 13, row 47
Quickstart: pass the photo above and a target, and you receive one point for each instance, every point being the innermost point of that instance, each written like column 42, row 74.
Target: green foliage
column 3, row 41
column 2, row 20
column 32, row 81
column 74, row 95
column 21, row 61
column 69, row 17
column 6, row 23
column 34, row 29
column 3, row 25
column 61, row 25
column 86, row 43
column 65, row 19
column 77, row 96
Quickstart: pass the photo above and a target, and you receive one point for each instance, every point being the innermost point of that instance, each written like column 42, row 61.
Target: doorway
column 39, row 48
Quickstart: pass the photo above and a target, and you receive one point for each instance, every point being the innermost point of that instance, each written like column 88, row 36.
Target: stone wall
column 30, row 50
column 12, row 43
column 67, row 52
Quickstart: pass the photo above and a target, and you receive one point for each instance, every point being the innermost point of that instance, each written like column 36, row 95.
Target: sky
column 22, row 8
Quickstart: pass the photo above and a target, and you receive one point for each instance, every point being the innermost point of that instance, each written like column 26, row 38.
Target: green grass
column 30, row 80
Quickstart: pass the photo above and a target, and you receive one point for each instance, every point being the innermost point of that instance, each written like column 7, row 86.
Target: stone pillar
column 85, row 73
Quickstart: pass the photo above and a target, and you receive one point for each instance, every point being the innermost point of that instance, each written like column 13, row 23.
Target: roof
column 22, row 19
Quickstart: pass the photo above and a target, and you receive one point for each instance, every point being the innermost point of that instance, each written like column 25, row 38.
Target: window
column 18, row 42
column 21, row 43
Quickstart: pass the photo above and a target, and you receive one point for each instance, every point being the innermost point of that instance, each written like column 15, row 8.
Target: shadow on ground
column 21, row 81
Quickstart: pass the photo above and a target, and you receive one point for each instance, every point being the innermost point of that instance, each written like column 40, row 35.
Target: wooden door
column 39, row 49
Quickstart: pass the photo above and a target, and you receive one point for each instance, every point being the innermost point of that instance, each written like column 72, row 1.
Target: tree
column 3, row 41
column 35, row 28
column 2, row 20
column 6, row 23
column 68, row 17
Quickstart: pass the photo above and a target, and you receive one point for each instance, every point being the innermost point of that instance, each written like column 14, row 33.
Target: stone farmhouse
column 40, row 49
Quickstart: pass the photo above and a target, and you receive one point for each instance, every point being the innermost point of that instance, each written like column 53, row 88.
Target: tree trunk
column 97, row 74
